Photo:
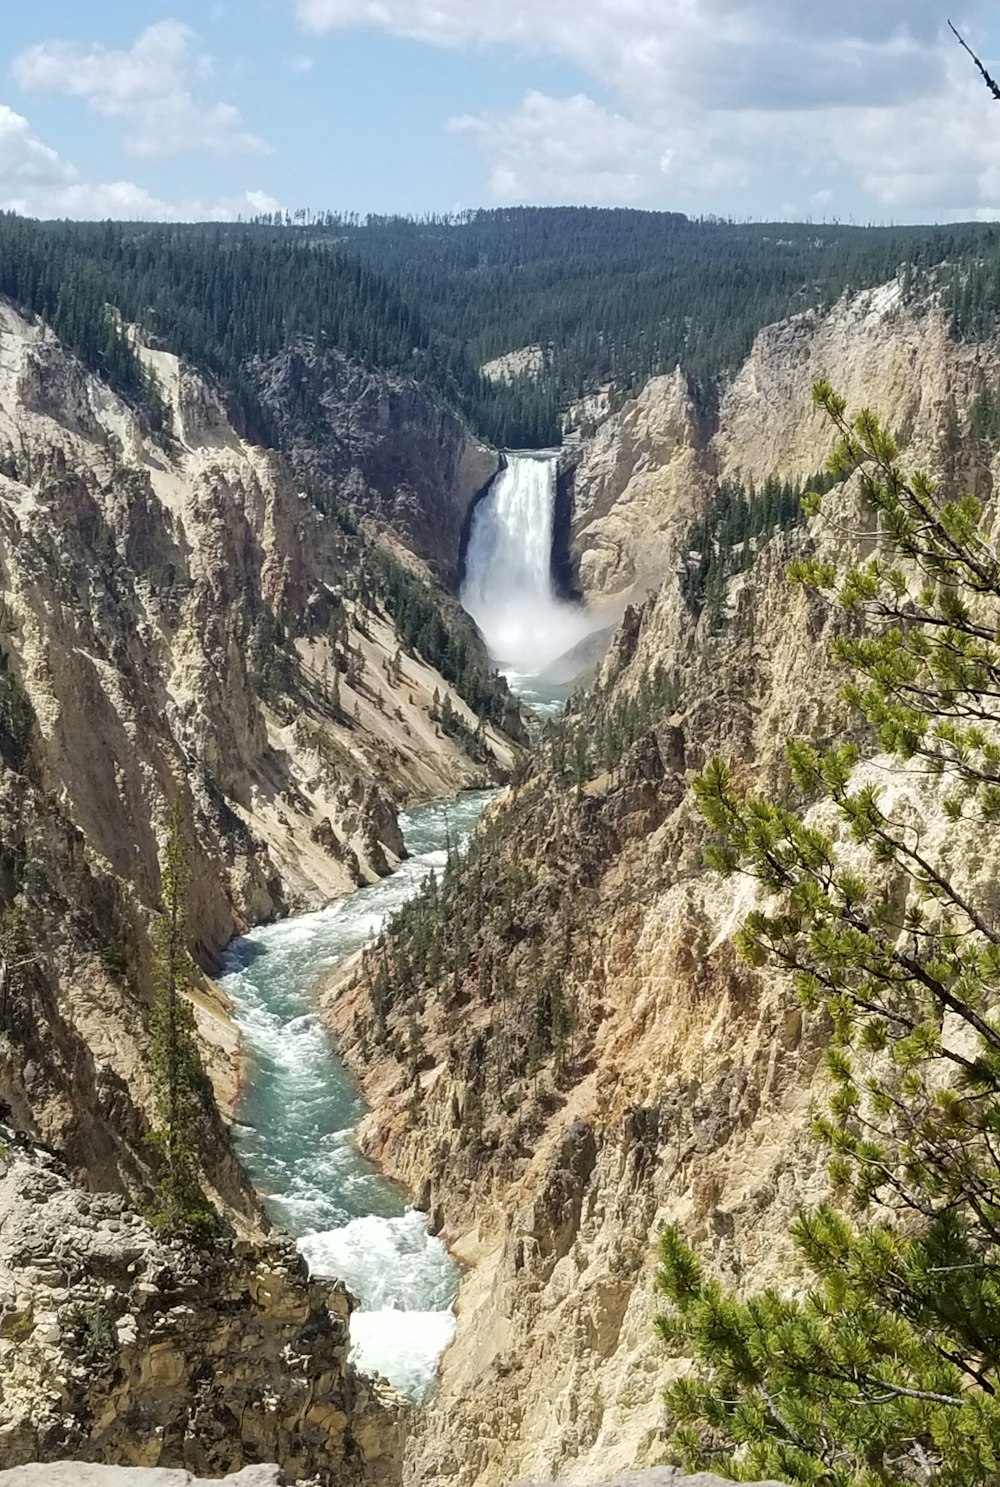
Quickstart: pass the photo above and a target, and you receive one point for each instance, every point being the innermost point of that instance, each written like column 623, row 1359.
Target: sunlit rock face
column 119, row 1345
column 649, row 471
column 75, row 1474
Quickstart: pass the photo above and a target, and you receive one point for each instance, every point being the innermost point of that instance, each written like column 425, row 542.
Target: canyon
column 175, row 611
column 691, row 1080
column 148, row 585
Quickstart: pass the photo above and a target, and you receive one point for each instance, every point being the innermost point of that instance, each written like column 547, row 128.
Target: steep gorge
column 179, row 621
column 595, row 1060
column 174, row 616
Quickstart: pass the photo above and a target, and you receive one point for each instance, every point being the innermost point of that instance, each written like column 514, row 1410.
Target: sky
column 858, row 110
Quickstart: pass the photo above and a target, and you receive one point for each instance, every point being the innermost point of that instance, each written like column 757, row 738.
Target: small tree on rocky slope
column 182, row 1207
column 886, row 1370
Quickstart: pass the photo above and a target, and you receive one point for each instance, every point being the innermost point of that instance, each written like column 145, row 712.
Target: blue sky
column 864, row 110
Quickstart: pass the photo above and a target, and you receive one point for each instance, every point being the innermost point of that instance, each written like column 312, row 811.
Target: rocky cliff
column 594, row 1060
column 649, row 469
column 669, row 1081
column 72, row 1474
column 638, row 486
column 410, row 467
column 119, row 1348
column 180, row 621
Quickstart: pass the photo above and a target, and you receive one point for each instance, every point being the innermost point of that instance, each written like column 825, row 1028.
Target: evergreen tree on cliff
column 181, row 1207
column 886, row 1369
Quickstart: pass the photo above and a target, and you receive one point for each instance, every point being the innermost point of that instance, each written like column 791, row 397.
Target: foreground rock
column 75, row 1474
column 79, row 1474
column 658, row 1476
column 120, row 1348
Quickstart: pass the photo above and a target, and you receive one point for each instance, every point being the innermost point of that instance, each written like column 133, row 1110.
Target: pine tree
column 182, row 1207
column 886, row 1371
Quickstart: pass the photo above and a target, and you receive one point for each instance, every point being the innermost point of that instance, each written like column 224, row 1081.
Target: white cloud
column 36, row 181
column 257, row 202
column 725, row 53
column 563, row 149
column 941, row 156
column 711, row 95
column 300, row 63
column 150, row 88
column 572, row 150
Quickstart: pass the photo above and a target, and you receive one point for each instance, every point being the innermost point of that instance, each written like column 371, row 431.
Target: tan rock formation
column 79, row 1474
column 74, row 1474
column 643, row 477
column 527, row 361
column 690, row 1081
column 115, row 1347
column 650, row 468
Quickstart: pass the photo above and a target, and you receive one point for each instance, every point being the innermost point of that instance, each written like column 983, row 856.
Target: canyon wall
column 650, row 469
column 551, row 1139
column 179, row 621
column 408, row 465
column 684, row 1090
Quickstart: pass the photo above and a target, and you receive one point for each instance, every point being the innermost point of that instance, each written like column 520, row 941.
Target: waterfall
column 508, row 586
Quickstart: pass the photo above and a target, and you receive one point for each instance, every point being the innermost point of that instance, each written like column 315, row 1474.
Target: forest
column 609, row 296
column 615, row 295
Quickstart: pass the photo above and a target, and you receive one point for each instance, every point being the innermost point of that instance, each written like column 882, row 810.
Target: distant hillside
column 223, row 299
column 613, row 296
column 618, row 295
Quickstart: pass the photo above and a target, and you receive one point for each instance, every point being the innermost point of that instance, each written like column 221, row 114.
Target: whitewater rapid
column 508, row 587
column 301, row 1107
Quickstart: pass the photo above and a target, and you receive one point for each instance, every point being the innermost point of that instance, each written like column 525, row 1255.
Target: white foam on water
column 545, row 699
column 403, row 1346
column 406, row 1282
column 386, row 1262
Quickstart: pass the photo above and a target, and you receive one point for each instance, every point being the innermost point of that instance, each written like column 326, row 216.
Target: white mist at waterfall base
column 508, row 588
column 300, row 1108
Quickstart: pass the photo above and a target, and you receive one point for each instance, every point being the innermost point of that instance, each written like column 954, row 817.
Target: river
column 301, row 1106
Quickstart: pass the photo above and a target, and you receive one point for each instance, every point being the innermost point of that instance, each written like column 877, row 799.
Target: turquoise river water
column 300, row 1108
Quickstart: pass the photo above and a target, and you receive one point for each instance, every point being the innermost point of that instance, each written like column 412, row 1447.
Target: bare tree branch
column 990, row 82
